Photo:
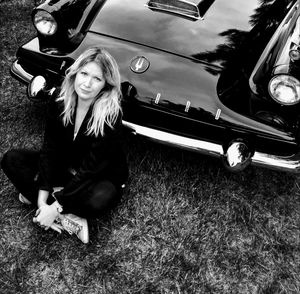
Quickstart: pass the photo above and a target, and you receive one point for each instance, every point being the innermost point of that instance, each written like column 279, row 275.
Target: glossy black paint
column 73, row 18
column 197, row 69
column 275, row 58
column 134, row 22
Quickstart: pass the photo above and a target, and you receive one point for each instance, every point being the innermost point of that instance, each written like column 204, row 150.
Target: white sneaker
column 74, row 224
column 24, row 200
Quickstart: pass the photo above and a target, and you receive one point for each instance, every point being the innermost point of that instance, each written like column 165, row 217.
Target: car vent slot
column 178, row 7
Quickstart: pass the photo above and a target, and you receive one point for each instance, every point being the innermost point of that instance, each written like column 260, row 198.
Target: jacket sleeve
column 105, row 160
column 51, row 163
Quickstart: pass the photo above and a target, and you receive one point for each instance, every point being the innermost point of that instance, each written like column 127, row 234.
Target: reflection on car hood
column 132, row 20
column 174, row 87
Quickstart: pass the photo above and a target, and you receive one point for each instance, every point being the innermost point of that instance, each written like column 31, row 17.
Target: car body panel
column 134, row 22
column 196, row 89
column 275, row 58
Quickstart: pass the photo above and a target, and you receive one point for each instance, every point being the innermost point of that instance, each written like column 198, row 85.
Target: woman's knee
column 104, row 196
column 20, row 162
column 7, row 160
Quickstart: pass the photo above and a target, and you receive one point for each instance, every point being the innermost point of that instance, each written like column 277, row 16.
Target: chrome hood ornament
column 139, row 64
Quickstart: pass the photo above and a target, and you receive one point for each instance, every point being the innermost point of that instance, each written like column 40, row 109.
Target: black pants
column 21, row 167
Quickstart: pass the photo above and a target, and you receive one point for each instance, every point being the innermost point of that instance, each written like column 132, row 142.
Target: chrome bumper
column 279, row 163
column 20, row 73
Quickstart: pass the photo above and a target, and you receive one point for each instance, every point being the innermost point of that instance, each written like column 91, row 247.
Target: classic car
column 216, row 77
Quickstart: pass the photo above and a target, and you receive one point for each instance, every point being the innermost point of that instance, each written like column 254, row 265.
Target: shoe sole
column 24, row 200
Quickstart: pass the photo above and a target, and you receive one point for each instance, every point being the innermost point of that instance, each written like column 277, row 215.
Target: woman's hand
column 42, row 198
column 45, row 217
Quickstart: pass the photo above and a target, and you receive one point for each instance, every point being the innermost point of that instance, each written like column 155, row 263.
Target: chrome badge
column 139, row 64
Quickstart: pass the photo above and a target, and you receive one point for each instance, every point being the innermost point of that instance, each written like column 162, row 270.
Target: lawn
column 185, row 224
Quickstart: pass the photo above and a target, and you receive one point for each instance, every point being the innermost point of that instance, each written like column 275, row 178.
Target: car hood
column 179, row 91
column 175, row 93
column 133, row 21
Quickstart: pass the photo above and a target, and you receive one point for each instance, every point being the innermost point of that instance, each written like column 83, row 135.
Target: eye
column 98, row 79
column 83, row 73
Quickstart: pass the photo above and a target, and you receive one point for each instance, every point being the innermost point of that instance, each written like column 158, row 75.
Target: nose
column 88, row 81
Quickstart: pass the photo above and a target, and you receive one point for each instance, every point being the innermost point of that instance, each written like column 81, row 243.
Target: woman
column 81, row 169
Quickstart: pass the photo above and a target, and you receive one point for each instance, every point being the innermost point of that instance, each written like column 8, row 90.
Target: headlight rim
column 281, row 102
column 39, row 10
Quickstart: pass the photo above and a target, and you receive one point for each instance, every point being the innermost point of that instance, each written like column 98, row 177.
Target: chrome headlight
column 44, row 22
column 285, row 89
column 294, row 54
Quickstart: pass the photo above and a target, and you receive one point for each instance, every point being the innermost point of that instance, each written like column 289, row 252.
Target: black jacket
column 93, row 158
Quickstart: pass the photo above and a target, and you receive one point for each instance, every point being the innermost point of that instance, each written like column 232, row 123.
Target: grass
column 185, row 224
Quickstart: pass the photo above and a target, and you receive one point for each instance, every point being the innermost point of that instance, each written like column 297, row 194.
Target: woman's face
column 89, row 81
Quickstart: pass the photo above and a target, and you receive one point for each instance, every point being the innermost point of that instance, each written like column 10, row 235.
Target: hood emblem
column 139, row 64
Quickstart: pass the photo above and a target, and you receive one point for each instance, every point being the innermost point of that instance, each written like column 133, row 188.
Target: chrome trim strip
column 288, row 164
column 279, row 163
column 20, row 73
column 175, row 140
column 187, row 106
column 157, row 98
column 218, row 113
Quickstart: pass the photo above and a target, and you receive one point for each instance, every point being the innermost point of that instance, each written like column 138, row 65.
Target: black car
column 216, row 77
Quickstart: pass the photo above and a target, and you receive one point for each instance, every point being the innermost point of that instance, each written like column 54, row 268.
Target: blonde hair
column 106, row 105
